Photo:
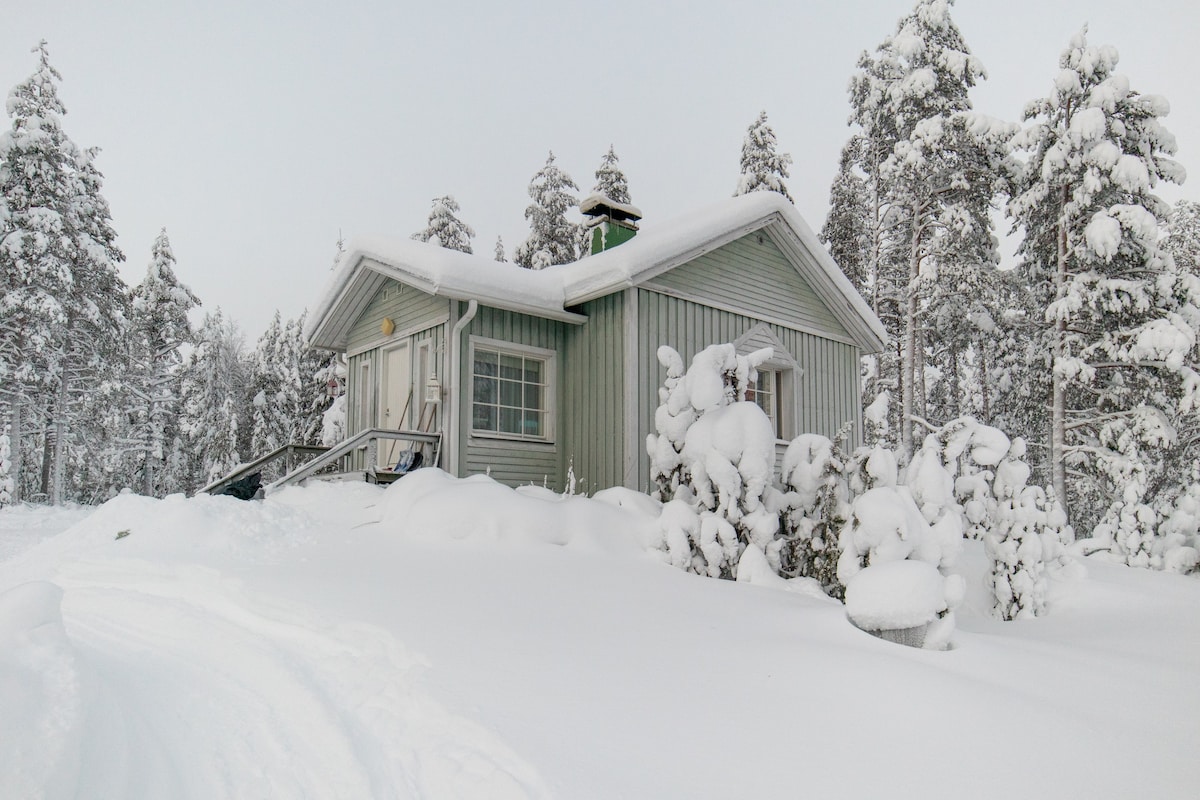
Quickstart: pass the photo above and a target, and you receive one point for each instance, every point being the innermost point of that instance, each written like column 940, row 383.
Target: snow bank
column 320, row 644
column 432, row 503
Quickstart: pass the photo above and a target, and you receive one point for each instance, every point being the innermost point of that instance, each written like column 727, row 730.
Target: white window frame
column 768, row 383
column 365, row 407
column 784, row 365
column 549, row 375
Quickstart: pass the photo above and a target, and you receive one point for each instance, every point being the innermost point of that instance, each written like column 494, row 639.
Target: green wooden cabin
column 527, row 372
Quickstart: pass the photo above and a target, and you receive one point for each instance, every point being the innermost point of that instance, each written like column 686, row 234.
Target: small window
column 511, row 392
column 766, row 392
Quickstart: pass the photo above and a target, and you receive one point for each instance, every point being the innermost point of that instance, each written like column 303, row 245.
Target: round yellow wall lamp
column 387, row 326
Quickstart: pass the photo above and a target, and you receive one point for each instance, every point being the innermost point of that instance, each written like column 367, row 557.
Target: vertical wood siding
column 826, row 394
column 406, row 306
column 508, row 461
column 594, row 395
column 753, row 277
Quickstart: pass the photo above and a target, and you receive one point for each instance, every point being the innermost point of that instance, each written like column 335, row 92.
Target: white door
column 396, row 399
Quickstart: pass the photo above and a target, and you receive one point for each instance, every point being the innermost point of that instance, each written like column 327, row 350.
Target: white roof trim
column 549, row 292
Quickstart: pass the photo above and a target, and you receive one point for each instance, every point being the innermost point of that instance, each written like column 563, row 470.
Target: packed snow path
column 177, row 682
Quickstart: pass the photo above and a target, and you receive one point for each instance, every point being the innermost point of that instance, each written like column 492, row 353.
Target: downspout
column 453, row 432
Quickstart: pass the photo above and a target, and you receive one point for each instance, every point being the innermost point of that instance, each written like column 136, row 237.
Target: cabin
column 528, row 373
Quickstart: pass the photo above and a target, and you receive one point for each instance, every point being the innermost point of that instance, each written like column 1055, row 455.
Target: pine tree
column 499, row 254
column 610, row 180
column 928, row 168
column 446, row 229
column 1107, row 302
column 552, row 238
column 160, row 321
column 763, row 169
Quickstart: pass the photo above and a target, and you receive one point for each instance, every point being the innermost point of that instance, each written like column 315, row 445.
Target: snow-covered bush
column 1025, row 539
column 6, row 481
column 816, row 506
column 713, row 461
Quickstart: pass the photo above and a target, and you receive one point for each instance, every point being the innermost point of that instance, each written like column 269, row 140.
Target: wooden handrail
column 369, row 438
column 258, row 463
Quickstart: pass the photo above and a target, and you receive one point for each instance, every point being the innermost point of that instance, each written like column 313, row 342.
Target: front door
column 396, row 399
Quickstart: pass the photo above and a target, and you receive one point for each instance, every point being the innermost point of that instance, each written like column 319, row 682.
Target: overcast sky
column 256, row 131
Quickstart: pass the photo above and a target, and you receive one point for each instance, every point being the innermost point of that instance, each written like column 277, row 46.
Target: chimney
column 609, row 223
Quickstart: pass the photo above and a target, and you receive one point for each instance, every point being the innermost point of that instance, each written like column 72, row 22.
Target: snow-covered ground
column 445, row 639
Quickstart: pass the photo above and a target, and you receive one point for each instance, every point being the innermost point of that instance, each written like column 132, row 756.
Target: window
column 511, row 390
column 776, row 388
column 766, row 393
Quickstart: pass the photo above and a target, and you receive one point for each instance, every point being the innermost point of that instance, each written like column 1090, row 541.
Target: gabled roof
column 551, row 292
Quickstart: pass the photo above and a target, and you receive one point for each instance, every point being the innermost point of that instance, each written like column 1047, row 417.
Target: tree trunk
column 908, row 365
column 48, row 440
column 1058, row 404
column 15, row 448
column 60, row 441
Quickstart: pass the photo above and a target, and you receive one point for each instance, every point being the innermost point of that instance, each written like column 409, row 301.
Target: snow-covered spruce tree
column 268, row 391
column 610, row 180
column 160, row 325
column 316, row 372
column 552, row 237
column 930, row 167
column 1118, row 321
column 499, row 252
column 63, row 311
column 816, row 507
column 763, row 169
column 713, row 457
column 212, row 387
column 444, row 228
column 36, row 192
column 1024, row 540
column 849, row 228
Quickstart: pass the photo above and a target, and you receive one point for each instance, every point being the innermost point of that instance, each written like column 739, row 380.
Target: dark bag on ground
column 244, row 488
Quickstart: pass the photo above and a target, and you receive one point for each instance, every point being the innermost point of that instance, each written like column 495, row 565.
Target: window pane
column 510, row 367
column 533, row 371
column 533, row 397
column 485, row 362
column 510, row 394
column 484, row 418
column 510, row 420
column 533, row 423
column 485, row 390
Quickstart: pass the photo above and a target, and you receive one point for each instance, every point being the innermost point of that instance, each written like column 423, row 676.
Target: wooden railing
column 288, row 454
column 369, row 441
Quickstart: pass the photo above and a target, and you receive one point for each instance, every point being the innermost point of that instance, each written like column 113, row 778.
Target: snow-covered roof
column 551, row 292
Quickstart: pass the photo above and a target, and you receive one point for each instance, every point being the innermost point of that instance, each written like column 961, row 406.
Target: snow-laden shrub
column 886, row 526
column 1179, row 531
column 1024, row 542
column 6, row 481
column 816, row 506
column 713, row 456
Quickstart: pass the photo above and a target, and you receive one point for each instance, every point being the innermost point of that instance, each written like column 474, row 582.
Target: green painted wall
column 594, row 390
column 826, row 395
column 509, row 461
column 408, row 308
column 751, row 276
